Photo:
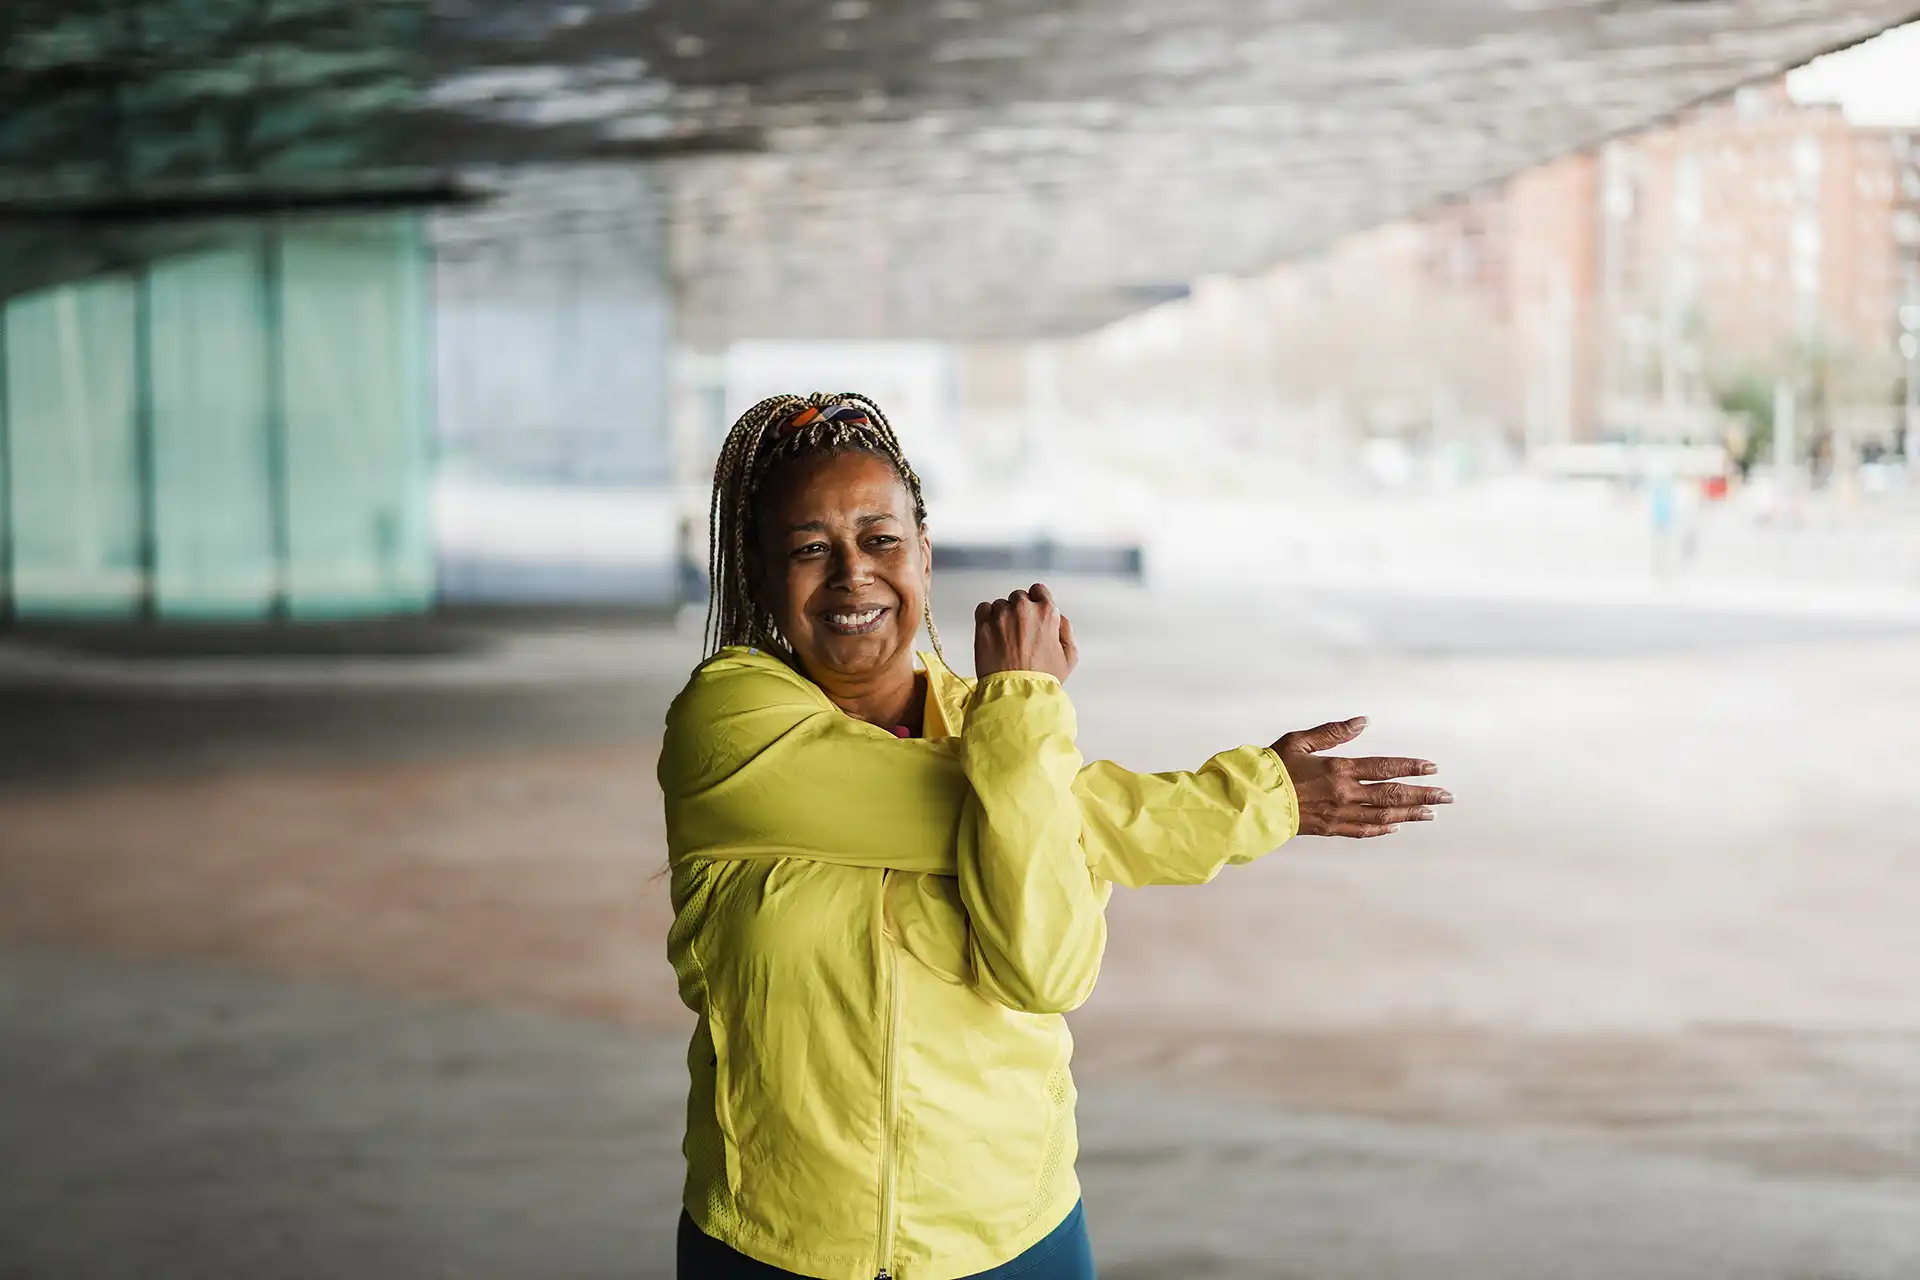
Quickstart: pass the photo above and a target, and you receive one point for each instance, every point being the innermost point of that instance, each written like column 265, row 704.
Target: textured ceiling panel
column 945, row 168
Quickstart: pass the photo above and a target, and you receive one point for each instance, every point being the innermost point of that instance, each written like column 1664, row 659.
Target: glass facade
column 73, row 459
column 236, row 428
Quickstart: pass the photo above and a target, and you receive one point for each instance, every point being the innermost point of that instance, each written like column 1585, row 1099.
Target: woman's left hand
column 1355, row 797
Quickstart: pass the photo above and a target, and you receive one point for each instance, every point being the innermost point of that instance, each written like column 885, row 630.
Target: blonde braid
column 747, row 458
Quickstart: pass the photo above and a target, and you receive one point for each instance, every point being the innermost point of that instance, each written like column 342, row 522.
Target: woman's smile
column 855, row 622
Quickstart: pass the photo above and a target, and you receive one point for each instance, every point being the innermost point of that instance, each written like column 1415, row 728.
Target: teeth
column 853, row 619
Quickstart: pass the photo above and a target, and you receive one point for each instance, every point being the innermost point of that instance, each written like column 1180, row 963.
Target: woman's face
column 845, row 570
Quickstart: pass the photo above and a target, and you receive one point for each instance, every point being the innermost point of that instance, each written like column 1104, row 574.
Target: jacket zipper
column 890, row 1103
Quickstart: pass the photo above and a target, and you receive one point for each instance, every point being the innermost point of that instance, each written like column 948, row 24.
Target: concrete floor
column 170, row 1118
column 327, row 966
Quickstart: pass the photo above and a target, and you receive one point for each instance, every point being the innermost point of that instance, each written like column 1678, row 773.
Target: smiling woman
column 847, row 570
column 890, row 882
column 820, row 550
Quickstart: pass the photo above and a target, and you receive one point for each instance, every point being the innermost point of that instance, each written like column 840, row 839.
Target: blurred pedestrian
column 691, row 576
column 889, row 881
column 1660, row 502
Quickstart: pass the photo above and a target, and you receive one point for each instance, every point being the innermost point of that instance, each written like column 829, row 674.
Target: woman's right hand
column 1358, row 797
column 1023, row 632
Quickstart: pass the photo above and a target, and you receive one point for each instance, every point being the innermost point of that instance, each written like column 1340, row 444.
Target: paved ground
column 323, row 965
column 182, row 1119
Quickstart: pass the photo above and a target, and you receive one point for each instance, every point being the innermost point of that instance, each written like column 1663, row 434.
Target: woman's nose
column 852, row 567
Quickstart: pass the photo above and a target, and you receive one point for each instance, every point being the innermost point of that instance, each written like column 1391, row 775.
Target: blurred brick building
column 1530, row 249
column 1753, row 238
column 1757, row 238
column 1622, row 292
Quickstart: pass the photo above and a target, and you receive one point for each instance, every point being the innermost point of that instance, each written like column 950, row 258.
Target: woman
column 889, row 881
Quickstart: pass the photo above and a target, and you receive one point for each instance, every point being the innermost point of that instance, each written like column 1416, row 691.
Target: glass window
column 1806, row 157
column 213, row 470
column 252, row 402
column 73, row 484
column 353, row 324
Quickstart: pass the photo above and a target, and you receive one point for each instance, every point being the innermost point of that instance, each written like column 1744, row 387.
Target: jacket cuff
column 1021, row 704
column 1001, row 682
column 1281, row 787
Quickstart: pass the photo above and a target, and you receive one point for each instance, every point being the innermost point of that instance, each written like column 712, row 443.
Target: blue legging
column 1065, row 1254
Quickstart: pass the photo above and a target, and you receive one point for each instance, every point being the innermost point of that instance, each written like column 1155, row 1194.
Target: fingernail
column 1429, row 767
column 1446, row 797
column 1426, row 815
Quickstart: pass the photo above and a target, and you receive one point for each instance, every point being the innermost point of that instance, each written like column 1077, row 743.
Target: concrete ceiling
column 968, row 169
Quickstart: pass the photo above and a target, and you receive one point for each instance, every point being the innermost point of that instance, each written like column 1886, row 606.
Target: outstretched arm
column 758, row 764
column 1182, row 828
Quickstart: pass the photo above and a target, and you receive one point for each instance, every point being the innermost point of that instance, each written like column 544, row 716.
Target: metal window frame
column 8, row 613
column 278, row 450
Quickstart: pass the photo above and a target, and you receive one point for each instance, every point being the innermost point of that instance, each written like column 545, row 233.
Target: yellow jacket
column 879, row 936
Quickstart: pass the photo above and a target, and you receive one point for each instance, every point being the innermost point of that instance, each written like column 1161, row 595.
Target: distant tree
column 1748, row 395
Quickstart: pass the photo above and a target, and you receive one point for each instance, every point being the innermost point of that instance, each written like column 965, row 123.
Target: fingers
column 1037, row 594
column 1389, row 817
column 1028, row 602
column 1365, row 824
column 1324, row 737
column 1381, row 768
column 1335, row 801
column 1066, row 641
column 1356, row 820
column 1360, row 830
column 1399, row 795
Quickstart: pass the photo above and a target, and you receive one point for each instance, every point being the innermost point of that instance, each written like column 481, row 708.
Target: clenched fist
column 1023, row 632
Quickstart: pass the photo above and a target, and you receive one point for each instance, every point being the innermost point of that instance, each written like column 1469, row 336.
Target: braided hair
column 767, row 439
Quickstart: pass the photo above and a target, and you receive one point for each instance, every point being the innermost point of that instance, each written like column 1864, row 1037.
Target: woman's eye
column 883, row 540
column 811, row 549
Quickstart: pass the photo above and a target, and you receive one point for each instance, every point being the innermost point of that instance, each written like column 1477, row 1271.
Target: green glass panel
column 6, row 473
column 73, row 483
column 286, row 402
column 212, row 444
column 353, row 329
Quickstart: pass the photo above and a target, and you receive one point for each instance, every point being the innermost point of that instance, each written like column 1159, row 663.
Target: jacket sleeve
column 754, row 766
column 1182, row 828
column 1037, row 913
